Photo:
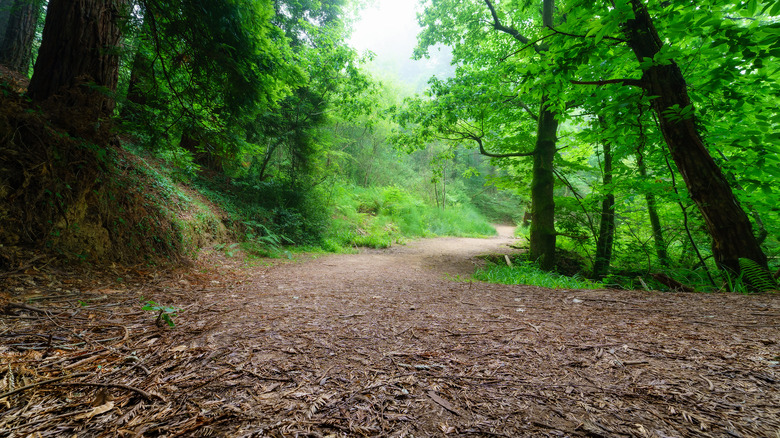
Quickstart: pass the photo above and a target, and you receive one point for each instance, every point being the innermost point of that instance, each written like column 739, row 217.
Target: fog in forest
column 389, row 29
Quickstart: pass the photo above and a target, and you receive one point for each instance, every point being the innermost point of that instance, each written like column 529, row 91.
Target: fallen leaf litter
column 380, row 343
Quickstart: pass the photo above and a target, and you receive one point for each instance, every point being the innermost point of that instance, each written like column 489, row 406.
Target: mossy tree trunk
column 542, row 232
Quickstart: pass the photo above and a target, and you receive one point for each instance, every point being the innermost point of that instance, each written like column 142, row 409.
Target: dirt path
column 385, row 343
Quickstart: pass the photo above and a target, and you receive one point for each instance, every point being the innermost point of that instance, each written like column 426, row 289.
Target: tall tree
column 729, row 226
column 80, row 46
column 492, row 37
column 18, row 36
column 627, row 31
column 606, row 237
column 5, row 12
column 542, row 233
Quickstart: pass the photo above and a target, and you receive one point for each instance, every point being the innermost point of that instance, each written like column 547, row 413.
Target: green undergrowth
column 529, row 274
column 377, row 217
column 152, row 215
column 68, row 190
column 270, row 219
column 157, row 211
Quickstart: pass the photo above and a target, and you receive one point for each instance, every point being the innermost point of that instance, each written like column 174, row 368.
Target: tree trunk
column 443, row 189
column 652, row 212
column 16, row 47
column 267, row 159
column 5, row 12
column 606, row 237
column 727, row 223
column 542, row 233
column 140, row 72
column 80, row 46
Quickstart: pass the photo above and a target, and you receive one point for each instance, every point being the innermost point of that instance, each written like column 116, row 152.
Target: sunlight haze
column 389, row 29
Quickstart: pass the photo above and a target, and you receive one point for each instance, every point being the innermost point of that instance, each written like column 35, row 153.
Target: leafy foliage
column 582, row 59
column 757, row 276
column 165, row 314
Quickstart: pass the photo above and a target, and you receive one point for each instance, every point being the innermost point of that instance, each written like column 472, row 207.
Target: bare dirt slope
column 386, row 343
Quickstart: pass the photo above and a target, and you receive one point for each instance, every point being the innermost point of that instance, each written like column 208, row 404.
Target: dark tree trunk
column 727, row 223
column 80, row 46
column 5, row 12
column 140, row 72
column 606, row 237
column 267, row 159
column 16, row 47
column 652, row 212
column 542, row 233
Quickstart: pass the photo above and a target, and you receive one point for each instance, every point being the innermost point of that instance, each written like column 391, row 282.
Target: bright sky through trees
column 389, row 29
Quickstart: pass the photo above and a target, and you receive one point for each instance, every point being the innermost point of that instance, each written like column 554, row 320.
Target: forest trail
column 420, row 260
column 388, row 343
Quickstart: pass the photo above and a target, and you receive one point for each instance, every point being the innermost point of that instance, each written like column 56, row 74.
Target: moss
column 86, row 198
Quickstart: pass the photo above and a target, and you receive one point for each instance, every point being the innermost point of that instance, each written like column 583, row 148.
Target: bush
column 376, row 217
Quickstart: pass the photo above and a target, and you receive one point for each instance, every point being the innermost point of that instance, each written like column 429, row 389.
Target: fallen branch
column 147, row 395
column 44, row 382
column 443, row 403
column 671, row 283
column 10, row 306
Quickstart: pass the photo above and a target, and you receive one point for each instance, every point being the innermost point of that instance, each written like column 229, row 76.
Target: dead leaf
column 443, row 403
column 446, row 428
column 102, row 397
column 102, row 409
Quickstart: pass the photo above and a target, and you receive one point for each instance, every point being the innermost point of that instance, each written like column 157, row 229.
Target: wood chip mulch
column 377, row 344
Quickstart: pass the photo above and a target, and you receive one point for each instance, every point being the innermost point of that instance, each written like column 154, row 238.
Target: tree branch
column 522, row 105
column 627, row 82
column 532, row 44
column 528, row 110
column 584, row 36
column 508, row 30
column 492, row 155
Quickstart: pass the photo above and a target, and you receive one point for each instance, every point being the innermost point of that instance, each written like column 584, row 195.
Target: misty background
column 389, row 29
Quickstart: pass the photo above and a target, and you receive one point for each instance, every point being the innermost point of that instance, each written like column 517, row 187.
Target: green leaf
column 775, row 8
column 751, row 7
column 601, row 33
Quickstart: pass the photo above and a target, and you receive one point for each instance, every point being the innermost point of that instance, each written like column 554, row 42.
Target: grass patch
column 529, row 274
column 377, row 217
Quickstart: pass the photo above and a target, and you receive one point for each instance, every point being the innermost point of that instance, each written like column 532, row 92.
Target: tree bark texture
column 80, row 46
column 542, row 233
column 727, row 223
column 604, row 244
column 16, row 47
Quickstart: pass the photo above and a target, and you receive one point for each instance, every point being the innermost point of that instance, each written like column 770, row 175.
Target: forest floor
column 381, row 343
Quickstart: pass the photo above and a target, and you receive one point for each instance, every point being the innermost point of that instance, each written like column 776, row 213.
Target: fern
column 756, row 276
